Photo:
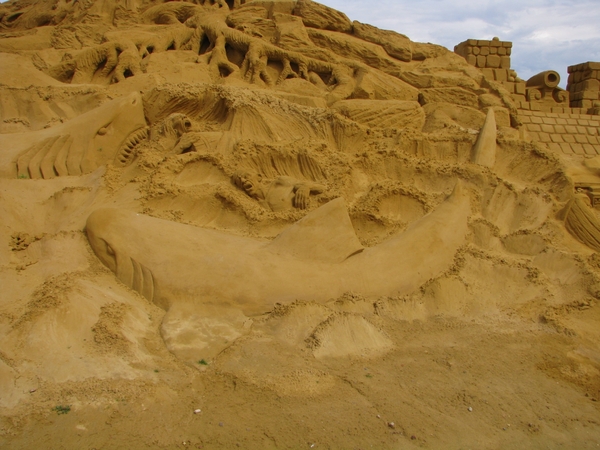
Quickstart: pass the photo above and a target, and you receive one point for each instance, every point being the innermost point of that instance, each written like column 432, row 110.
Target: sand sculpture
column 79, row 146
column 321, row 251
column 264, row 215
column 282, row 194
column 581, row 221
column 584, row 85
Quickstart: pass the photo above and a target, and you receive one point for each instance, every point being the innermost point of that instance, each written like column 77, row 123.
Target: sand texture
column 258, row 224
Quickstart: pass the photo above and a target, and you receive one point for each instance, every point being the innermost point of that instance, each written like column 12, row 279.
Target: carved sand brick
column 569, row 131
column 496, row 53
column 584, row 85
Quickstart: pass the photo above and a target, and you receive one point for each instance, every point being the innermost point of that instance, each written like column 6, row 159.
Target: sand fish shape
column 81, row 145
column 210, row 274
column 582, row 222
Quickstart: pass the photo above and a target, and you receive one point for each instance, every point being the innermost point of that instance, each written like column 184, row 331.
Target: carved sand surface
column 258, row 224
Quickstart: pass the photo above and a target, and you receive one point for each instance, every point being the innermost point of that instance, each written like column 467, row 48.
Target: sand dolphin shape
column 186, row 268
column 78, row 146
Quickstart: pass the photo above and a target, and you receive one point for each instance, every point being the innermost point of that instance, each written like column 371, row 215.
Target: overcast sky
column 546, row 34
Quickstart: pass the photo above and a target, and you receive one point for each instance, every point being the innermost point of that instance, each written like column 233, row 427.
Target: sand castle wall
column 541, row 92
column 584, row 85
column 575, row 134
column 494, row 54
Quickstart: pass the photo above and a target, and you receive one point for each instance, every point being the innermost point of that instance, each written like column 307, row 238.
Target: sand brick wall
column 584, row 84
column 493, row 58
column 577, row 134
column 508, row 78
column 494, row 54
column 537, row 107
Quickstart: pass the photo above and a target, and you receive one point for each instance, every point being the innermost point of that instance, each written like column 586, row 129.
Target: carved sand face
column 180, row 124
column 124, row 125
column 249, row 182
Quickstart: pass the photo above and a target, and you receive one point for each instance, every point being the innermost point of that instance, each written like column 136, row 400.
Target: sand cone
column 484, row 151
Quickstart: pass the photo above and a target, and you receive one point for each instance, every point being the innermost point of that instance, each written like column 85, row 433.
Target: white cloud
column 546, row 34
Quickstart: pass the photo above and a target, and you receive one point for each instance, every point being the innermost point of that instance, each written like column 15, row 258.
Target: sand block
column 383, row 113
column 455, row 95
column 501, row 74
column 590, row 85
column 395, row 44
column 493, row 61
column 316, row 15
column 376, row 85
column 272, row 6
column 349, row 46
column 488, row 73
column 509, row 86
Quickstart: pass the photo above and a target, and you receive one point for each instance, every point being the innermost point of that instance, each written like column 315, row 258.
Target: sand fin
column 326, row 234
column 581, row 221
column 484, row 151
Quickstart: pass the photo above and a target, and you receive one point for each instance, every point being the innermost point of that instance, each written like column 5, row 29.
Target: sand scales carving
column 107, row 134
column 188, row 270
column 582, row 222
column 79, row 146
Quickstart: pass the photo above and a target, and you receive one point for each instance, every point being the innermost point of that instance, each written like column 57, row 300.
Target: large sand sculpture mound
column 258, row 224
